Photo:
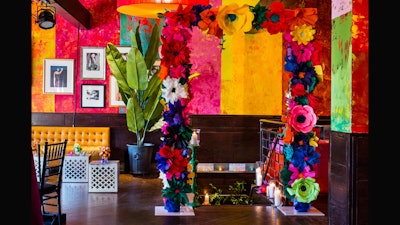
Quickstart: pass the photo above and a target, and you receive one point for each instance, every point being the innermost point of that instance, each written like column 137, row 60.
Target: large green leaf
column 117, row 66
column 152, row 50
column 134, row 117
column 136, row 71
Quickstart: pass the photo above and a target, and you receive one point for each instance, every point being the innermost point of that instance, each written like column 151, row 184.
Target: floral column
column 300, row 138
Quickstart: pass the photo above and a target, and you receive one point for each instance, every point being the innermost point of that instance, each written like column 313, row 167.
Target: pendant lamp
column 150, row 8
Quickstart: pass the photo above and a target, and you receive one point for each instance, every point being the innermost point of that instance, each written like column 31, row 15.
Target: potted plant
column 141, row 94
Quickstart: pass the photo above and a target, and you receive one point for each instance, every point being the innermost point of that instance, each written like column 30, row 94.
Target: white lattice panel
column 103, row 177
column 76, row 168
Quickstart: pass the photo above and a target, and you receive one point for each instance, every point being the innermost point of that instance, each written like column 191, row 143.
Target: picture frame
column 58, row 76
column 92, row 96
column 115, row 96
column 124, row 50
column 93, row 63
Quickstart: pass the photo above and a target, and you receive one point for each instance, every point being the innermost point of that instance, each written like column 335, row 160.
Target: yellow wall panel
column 43, row 47
column 252, row 74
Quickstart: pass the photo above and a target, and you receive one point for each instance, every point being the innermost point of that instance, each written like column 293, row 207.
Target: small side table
column 103, row 177
column 76, row 168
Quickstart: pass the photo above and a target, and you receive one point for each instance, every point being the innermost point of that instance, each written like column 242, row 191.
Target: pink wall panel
column 70, row 39
column 206, row 86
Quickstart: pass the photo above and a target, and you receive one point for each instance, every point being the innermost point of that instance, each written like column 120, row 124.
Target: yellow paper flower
column 232, row 18
column 319, row 71
column 303, row 34
column 314, row 140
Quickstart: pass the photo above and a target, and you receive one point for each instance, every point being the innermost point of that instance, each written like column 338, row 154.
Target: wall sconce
column 46, row 16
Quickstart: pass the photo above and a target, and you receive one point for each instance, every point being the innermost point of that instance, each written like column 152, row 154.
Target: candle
column 258, row 176
column 277, row 198
column 259, row 180
column 206, row 199
column 220, row 168
column 194, row 141
column 271, row 190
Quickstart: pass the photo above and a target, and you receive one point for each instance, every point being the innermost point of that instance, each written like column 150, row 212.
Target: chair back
column 52, row 165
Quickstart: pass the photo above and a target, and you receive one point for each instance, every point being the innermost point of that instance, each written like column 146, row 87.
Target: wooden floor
column 138, row 196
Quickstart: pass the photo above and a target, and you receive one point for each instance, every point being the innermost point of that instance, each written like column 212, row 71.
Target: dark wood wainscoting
column 348, row 179
column 224, row 138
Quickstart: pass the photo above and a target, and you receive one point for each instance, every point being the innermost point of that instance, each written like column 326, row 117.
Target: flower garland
column 302, row 61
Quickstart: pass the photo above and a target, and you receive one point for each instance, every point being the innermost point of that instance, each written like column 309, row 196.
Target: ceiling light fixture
column 151, row 8
column 45, row 15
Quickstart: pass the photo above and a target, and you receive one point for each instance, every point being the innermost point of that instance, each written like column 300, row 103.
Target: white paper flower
column 172, row 90
column 164, row 180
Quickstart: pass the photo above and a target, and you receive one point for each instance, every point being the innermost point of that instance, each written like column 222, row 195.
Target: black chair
column 50, row 170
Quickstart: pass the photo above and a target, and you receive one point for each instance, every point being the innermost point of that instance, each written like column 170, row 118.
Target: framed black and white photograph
column 92, row 96
column 124, row 50
column 93, row 63
column 115, row 96
column 58, row 76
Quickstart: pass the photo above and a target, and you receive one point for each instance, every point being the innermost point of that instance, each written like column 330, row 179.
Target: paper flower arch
column 301, row 61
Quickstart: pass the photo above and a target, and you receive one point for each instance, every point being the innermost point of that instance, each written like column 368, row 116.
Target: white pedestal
column 185, row 211
column 76, row 168
column 103, row 177
column 290, row 211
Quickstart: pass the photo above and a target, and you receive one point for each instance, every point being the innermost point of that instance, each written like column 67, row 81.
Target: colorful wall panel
column 238, row 75
column 341, row 74
column 350, row 69
column 43, row 46
column 360, row 66
column 252, row 74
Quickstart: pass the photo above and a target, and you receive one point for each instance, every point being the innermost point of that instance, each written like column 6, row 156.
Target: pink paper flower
column 297, row 174
column 302, row 118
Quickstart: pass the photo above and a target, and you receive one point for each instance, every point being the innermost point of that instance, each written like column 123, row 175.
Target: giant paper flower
column 176, row 191
column 303, row 34
column 300, row 174
column 307, row 16
column 209, row 23
column 176, row 32
column 304, row 189
column 277, row 18
column 172, row 90
column 302, row 118
column 182, row 16
column 233, row 19
column 174, row 52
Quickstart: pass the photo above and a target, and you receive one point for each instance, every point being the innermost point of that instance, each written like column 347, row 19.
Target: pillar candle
column 193, row 141
column 271, row 190
column 277, row 198
column 258, row 176
column 206, row 199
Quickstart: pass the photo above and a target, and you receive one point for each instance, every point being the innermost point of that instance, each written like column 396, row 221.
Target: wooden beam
column 73, row 11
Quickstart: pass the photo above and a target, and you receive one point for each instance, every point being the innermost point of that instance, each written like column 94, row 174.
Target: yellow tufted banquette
column 89, row 138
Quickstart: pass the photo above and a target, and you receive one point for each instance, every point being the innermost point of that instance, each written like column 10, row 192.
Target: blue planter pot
column 172, row 206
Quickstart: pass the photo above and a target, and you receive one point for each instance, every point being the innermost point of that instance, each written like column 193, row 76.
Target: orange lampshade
column 150, row 8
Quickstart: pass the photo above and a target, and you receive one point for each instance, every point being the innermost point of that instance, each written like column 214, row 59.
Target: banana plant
column 140, row 91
